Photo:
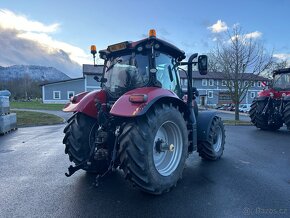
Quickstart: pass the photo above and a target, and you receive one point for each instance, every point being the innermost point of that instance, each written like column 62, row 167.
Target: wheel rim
column 167, row 161
column 217, row 139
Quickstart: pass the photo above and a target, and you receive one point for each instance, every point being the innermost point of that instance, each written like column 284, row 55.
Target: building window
column 253, row 94
column 224, row 83
column 259, row 84
column 253, row 83
column 204, row 82
column 224, row 98
column 210, row 94
column 70, row 94
column 246, row 83
column 211, row 82
column 56, row 94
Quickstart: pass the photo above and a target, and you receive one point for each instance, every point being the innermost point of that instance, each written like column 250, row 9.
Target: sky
column 59, row 33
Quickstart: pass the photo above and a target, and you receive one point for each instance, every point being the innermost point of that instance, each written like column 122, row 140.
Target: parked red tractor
column 272, row 106
column 138, row 121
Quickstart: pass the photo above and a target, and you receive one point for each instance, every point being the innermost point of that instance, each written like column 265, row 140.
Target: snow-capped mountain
column 36, row 73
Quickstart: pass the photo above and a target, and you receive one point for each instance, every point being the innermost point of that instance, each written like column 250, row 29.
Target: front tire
column 286, row 115
column 153, row 149
column 213, row 148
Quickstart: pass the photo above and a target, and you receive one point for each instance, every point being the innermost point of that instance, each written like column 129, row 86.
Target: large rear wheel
column 260, row 120
column 79, row 139
column 153, row 149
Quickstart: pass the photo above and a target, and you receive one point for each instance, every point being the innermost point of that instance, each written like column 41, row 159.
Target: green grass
column 237, row 123
column 36, row 105
column 29, row 118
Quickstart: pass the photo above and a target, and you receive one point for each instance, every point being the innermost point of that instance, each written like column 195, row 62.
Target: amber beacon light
column 93, row 49
column 93, row 52
column 152, row 33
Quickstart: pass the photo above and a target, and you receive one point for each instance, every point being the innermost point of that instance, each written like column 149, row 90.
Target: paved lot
column 252, row 179
column 63, row 115
column 230, row 115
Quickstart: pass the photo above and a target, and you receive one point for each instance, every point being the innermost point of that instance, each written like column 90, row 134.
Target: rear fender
column 261, row 98
column 85, row 103
column 204, row 121
column 124, row 108
column 287, row 98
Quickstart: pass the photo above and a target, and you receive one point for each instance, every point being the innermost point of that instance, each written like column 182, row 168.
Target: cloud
column 282, row 56
column 9, row 20
column 24, row 41
column 245, row 37
column 218, row 27
column 15, row 50
column 253, row 35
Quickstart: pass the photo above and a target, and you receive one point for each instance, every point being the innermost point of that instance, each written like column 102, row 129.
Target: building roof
column 61, row 81
column 222, row 76
column 89, row 69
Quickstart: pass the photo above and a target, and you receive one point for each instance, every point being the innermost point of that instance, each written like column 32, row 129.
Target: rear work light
column 138, row 98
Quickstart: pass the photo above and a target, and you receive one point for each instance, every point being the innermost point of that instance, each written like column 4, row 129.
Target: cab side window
column 163, row 62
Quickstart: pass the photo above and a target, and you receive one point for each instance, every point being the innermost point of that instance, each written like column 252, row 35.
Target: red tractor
column 138, row 121
column 272, row 107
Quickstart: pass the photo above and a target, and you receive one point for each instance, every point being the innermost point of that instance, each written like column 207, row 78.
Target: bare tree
column 239, row 57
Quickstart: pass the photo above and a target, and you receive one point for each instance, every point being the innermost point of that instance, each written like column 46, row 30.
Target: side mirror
column 195, row 92
column 202, row 64
column 99, row 78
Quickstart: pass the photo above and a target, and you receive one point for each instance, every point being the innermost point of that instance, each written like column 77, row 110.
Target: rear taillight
column 138, row 98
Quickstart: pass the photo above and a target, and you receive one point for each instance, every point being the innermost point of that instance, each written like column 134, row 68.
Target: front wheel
column 213, row 148
column 286, row 115
column 153, row 149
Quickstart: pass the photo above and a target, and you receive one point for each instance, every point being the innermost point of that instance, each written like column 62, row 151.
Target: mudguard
column 86, row 102
column 261, row 98
column 124, row 108
column 204, row 121
column 287, row 98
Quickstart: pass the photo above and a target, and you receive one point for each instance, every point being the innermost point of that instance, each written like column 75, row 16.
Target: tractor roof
column 159, row 45
column 281, row 71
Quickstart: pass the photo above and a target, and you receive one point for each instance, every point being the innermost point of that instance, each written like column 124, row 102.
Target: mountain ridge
column 34, row 72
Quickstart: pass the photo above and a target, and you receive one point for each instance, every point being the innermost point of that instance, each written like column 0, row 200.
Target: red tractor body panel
column 277, row 94
column 123, row 107
column 85, row 102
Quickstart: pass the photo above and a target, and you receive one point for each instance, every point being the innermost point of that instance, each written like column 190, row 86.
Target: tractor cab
column 281, row 80
column 150, row 62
